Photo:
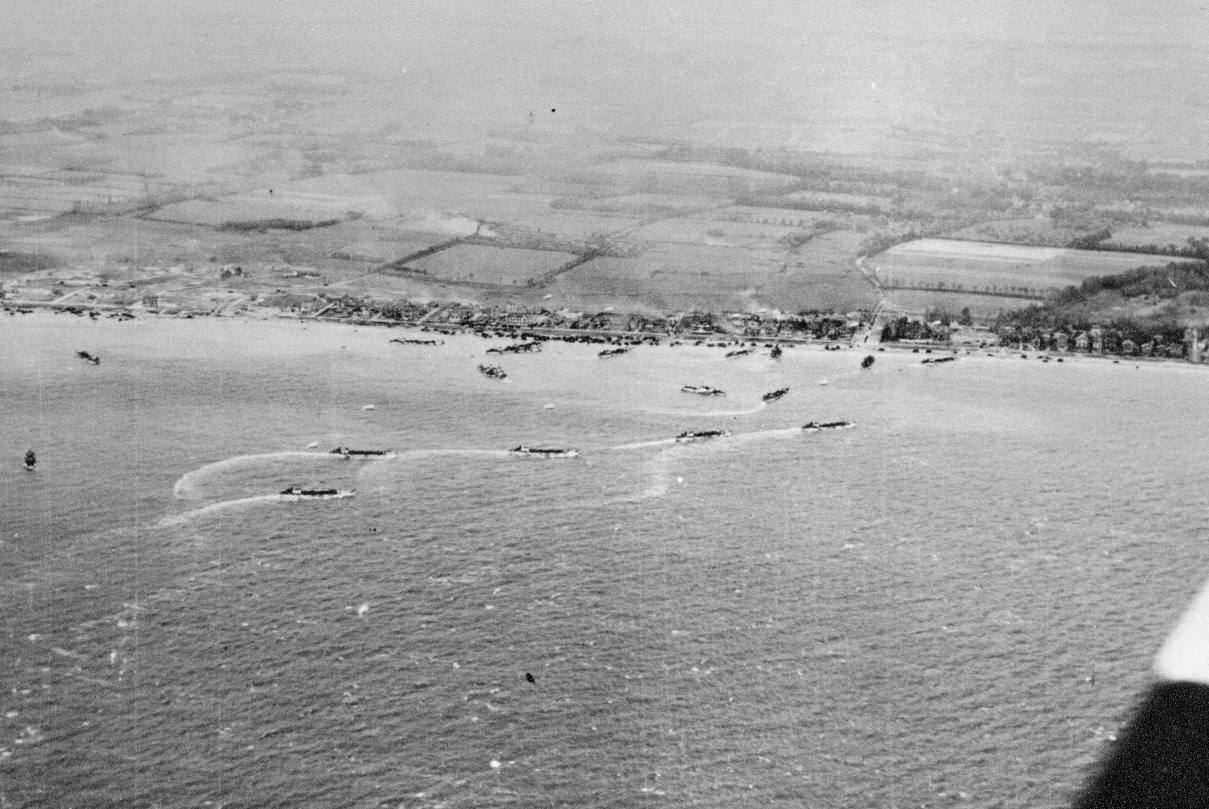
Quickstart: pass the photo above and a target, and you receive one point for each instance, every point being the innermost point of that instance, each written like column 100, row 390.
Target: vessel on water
column 773, row 395
column 700, row 435
column 492, row 371
column 30, row 459
column 516, row 348
column 84, row 355
column 613, row 352
column 702, row 390
column 545, row 452
column 407, row 341
column 298, row 493
column 738, row 352
column 776, row 352
column 939, row 360
column 867, row 362
column 363, row 453
column 816, row 426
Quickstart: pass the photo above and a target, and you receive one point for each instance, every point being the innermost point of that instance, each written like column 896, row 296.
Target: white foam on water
column 187, row 485
column 226, row 505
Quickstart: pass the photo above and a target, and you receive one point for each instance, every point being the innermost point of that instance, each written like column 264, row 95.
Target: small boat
column 937, row 360
column 84, row 355
column 412, row 342
column 492, row 371
column 30, row 459
column 738, row 352
column 867, row 362
column 816, row 426
column 613, row 352
column 701, row 435
column 297, row 493
column 363, row 453
column 543, row 452
column 776, row 352
column 702, row 390
column 772, row 396
column 516, row 348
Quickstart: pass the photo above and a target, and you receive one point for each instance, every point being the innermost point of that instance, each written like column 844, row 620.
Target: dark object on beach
column 776, row 352
column 815, row 426
column 84, row 355
column 702, row 390
column 516, row 348
column 613, row 352
column 937, row 360
column 30, row 459
column 492, row 371
column 322, row 494
column 530, row 678
column 772, row 396
column 545, row 452
column 738, row 352
column 867, row 361
column 411, row 342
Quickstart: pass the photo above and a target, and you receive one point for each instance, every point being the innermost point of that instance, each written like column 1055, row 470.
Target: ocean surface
column 952, row 605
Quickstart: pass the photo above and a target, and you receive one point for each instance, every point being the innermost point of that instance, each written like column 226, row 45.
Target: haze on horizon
column 774, row 72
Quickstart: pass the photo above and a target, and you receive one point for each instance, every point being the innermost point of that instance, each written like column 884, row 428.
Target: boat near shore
column 298, row 493
column 939, row 360
column 517, row 348
column 544, row 452
column 363, row 453
column 493, row 371
column 409, row 341
column 92, row 358
column 739, row 352
column 817, row 426
column 702, row 390
column 613, row 352
column 700, row 435
column 773, row 395
column 31, row 460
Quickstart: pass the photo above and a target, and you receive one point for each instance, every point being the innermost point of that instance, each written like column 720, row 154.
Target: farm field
column 28, row 193
column 823, row 199
column 572, row 224
column 822, row 274
column 754, row 214
column 1158, row 233
column 643, row 205
column 1033, row 230
column 713, row 233
column 481, row 264
column 689, row 178
column 995, row 267
column 914, row 302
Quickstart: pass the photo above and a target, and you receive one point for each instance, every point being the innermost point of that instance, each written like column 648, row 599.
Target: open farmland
column 29, row 194
column 710, row 233
column 822, row 274
column 481, row 264
column 990, row 268
column 689, row 178
column 758, row 215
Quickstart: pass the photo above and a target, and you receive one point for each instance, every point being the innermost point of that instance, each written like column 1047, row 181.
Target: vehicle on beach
column 773, row 395
column 544, row 452
column 816, row 426
column 30, row 459
column 297, row 493
column 84, row 355
column 868, row 361
column 493, row 371
column 703, row 390
column 776, row 352
column 363, row 453
column 700, row 435
column 738, row 352
column 613, row 352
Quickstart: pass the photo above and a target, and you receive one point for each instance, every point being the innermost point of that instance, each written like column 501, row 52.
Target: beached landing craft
column 516, row 348
column 867, row 362
column 363, row 453
column 30, row 459
column 701, row 435
column 937, row 360
column 776, row 352
column 613, row 352
column 816, row 426
column 541, row 452
column 773, row 395
column 297, row 493
column 414, row 342
column 738, row 352
column 492, row 371
column 702, row 390
column 84, row 355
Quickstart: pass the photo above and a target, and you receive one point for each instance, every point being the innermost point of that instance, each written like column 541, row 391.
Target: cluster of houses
column 1100, row 340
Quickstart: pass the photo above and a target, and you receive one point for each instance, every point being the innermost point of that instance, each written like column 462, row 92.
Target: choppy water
column 951, row 605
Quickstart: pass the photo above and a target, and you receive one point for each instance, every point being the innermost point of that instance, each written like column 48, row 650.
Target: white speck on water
column 34, row 638
column 367, row 407
column 364, row 608
column 495, row 765
column 679, row 480
column 312, row 445
column 548, row 406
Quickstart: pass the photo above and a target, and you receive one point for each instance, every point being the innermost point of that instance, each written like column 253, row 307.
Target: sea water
column 952, row 604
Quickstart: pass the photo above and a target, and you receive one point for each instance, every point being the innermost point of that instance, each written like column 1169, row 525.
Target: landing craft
column 30, row 459
column 868, row 361
column 84, row 355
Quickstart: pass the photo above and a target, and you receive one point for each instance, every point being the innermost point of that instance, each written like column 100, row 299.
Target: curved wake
column 186, row 486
